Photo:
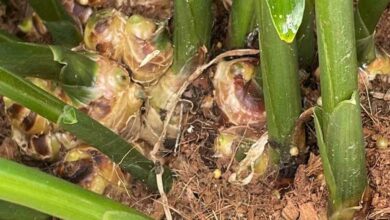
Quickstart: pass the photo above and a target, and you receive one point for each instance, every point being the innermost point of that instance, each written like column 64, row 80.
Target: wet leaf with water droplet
column 287, row 17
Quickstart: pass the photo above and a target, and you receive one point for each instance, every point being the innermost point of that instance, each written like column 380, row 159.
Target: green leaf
column 7, row 37
column 11, row 211
column 74, row 71
column 78, row 69
column 329, row 177
column 40, row 191
column 29, row 60
column 78, row 74
column 287, row 17
column 367, row 15
column 86, row 129
column 64, row 33
column 366, row 49
column 370, row 12
column 61, row 25
column 118, row 215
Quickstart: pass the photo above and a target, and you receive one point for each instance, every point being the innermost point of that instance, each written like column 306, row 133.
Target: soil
column 198, row 194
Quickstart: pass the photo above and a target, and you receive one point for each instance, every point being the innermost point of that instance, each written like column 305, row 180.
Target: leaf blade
column 287, row 17
column 26, row 186
column 60, row 24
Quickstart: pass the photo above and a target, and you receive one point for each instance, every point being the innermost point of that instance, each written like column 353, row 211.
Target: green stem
column 279, row 67
column 337, row 51
column 40, row 191
column 192, row 29
column 241, row 16
column 82, row 126
column 306, row 39
column 338, row 123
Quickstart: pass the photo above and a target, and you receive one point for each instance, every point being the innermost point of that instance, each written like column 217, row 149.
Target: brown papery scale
column 79, row 12
column 104, row 33
column 91, row 169
column 237, row 94
column 149, row 53
column 236, row 142
column 164, row 98
column 116, row 100
column 136, row 41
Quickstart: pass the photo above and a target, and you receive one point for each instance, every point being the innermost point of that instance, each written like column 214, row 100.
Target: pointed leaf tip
column 287, row 17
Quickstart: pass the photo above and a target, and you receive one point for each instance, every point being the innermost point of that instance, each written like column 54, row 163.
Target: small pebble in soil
column 382, row 142
column 276, row 193
column 217, row 173
column 319, row 101
column 294, row 151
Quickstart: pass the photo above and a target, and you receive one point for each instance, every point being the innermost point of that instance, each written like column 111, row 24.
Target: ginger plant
column 143, row 45
column 280, row 82
column 104, row 92
column 338, row 121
